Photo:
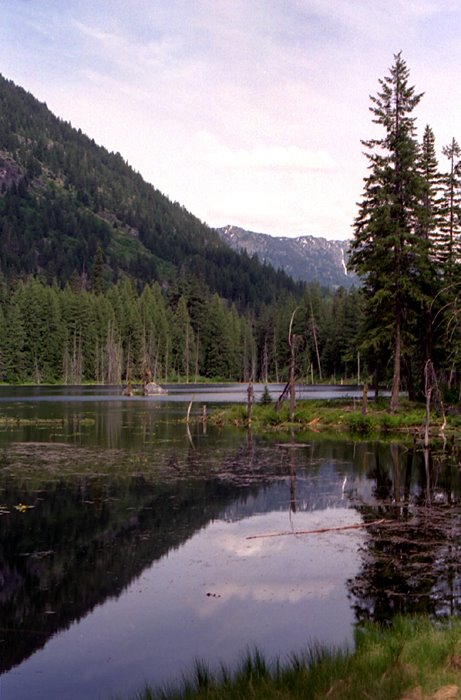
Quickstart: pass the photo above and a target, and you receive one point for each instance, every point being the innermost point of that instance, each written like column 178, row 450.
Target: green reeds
column 415, row 658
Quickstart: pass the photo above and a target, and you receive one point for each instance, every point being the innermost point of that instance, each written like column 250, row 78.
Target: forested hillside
column 68, row 206
column 102, row 278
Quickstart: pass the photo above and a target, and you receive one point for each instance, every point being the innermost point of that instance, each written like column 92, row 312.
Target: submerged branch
column 356, row 526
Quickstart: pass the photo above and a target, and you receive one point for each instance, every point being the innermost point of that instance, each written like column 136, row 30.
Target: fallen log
column 316, row 532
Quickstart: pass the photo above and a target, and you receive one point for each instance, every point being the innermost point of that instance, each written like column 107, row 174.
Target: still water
column 130, row 545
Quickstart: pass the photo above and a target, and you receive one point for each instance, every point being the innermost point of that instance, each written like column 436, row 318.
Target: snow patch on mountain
column 306, row 258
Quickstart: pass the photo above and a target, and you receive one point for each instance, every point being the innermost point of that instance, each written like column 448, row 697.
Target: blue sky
column 247, row 112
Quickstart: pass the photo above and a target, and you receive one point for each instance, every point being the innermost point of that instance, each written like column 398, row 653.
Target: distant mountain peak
column 307, row 258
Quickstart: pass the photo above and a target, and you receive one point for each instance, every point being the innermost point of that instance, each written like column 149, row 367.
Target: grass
column 415, row 659
column 343, row 416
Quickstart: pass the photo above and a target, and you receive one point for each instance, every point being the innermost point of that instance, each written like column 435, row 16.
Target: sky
column 246, row 112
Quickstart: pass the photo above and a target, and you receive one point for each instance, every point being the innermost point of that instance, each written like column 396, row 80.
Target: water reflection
column 135, row 555
column 411, row 560
column 173, row 550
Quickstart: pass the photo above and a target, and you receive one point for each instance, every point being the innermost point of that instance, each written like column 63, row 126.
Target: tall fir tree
column 450, row 261
column 12, row 343
column 428, row 222
column 183, row 346
column 386, row 250
column 451, row 212
column 429, row 216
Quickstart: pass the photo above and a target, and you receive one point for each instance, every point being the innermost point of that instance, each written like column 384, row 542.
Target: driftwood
column 317, row 532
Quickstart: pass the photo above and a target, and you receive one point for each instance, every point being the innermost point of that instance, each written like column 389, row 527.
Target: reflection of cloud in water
column 234, row 539
column 269, row 592
column 234, row 544
column 277, row 570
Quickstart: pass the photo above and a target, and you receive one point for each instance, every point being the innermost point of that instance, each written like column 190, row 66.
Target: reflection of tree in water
column 100, row 518
column 411, row 560
column 90, row 534
column 88, row 537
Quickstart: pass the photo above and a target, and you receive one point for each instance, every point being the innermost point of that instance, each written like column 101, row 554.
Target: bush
column 390, row 422
column 358, row 423
column 266, row 397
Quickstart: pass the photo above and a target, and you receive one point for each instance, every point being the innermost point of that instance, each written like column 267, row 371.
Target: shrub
column 358, row 423
column 266, row 397
column 390, row 422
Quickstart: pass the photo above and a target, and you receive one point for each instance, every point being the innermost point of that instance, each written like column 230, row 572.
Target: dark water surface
column 130, row 545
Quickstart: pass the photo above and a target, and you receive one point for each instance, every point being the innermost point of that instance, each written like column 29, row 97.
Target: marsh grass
column 415, row 658
column 340, row 415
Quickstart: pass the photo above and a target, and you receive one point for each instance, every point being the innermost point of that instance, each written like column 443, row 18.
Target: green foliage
column 388, row 250
column 75, row 213
column 74, row 335
column 358, row 423
column 266, row 397
column 406, row 248
column 390, row 422
column 413, row 658
column 342, row 416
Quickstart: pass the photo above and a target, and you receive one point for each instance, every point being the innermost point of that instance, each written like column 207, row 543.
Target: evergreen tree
column 429, row 207
column 128, row 319
column 156, row 334
column 43, row 331
column 104, row 356
column 339, row 351
column 248, row 350
column 386, row 250
column 183, row 346
column 217, row 340
column 451, row 213
column 428, row 228
column 12, row 344
column 97, row 273
column 2, row 344
column 76, row 349
column 449, row 258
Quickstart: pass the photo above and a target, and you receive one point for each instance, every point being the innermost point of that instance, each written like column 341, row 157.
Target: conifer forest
column 104, row 279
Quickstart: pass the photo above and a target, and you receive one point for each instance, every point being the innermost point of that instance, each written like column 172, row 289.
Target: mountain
column 305, row 258
column 69, row 208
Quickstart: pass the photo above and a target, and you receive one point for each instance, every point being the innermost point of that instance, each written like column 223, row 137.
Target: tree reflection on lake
column 411, row 560
column 129, row 547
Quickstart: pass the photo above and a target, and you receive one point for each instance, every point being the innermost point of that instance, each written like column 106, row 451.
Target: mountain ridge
column 305, row 258
column 66, row 203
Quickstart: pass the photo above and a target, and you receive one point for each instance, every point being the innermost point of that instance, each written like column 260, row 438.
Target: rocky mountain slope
column 68, row 206
column 305, row 258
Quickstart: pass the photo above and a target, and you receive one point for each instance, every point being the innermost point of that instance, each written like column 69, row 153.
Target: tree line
column 72, row 335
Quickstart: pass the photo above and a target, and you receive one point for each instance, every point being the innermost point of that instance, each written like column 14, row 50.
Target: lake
column 132, row 545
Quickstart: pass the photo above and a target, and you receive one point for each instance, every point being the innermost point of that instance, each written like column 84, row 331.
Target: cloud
column 268, row 592
column 246, row 113
column 292, row 158
column 278, row 158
